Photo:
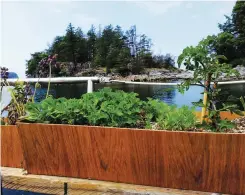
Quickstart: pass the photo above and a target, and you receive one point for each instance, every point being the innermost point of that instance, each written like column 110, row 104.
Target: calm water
column 168, row 94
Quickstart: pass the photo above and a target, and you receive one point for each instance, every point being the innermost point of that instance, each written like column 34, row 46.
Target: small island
column 123, row 54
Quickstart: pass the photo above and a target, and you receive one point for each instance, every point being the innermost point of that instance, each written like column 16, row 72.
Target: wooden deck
column 15, row 178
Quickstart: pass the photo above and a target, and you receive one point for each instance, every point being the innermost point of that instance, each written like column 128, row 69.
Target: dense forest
column 109, row 49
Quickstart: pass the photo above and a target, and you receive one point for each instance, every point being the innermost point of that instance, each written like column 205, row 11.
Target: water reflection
column 168, row 94
column 41, row 93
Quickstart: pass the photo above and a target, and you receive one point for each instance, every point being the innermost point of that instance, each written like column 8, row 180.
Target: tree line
column 109, row 48
column 230, row 42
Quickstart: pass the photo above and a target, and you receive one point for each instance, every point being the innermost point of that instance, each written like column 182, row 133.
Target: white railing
column 89, row 80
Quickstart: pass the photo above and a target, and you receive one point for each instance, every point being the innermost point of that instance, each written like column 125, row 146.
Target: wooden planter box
column 184, row 160
column 11, row 150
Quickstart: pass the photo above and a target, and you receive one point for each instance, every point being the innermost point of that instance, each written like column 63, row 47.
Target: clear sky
column 29, row 26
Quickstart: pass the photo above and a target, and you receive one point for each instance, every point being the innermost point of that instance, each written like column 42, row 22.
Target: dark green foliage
column 116, row 109
column 70, row 41
column 110, row 48
column 231, row 41
column 109, row 108
column 155, row 108
column 170, row 117
column 91, row 41
column 32, row 64
column 177, row 118
column 163, row 61
column 55, row 111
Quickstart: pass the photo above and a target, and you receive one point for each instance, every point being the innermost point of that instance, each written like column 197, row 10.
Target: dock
column 15, row 178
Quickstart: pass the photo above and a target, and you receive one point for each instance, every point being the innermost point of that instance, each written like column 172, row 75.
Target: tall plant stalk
column 49, row 79
column 51, row 61
column 35, row 89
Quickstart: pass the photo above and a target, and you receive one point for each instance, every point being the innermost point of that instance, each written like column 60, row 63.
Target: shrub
column 56, row 111
column 170, row 117
column 177, row 119
column 116, row 109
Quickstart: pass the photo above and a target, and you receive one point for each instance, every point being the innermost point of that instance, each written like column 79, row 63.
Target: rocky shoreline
column 156, row 75
column 168, row 75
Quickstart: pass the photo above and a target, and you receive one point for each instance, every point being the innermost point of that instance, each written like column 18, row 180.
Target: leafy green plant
column 116, row 109
column 56, row 111
column 20, row 95
column 177, row 119
column 110, row 108
column 208, row 68
column 153, row 110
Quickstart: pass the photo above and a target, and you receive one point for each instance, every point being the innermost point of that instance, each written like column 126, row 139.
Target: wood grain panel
column 11, row 150
column 184, row 160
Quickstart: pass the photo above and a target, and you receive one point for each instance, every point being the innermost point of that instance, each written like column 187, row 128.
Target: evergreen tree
column 231, row 41
column 70, row 44
column 91, row 43
column 109, row 47
column 31, row 64
column 81, row 46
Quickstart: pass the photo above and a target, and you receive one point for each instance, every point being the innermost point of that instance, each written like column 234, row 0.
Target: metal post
column 90, row 86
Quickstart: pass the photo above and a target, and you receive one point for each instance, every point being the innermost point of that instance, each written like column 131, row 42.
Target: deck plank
column 15, row 178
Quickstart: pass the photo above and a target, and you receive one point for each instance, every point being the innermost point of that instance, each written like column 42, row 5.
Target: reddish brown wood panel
column 183, row 160
column 11, row 150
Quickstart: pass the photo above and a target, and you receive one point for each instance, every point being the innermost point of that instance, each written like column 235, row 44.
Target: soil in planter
column 239, row 127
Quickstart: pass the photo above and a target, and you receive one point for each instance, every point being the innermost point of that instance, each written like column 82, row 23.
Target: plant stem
column 49, row 79
column 13, row 98
column 205, row 96
column 35, row 89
